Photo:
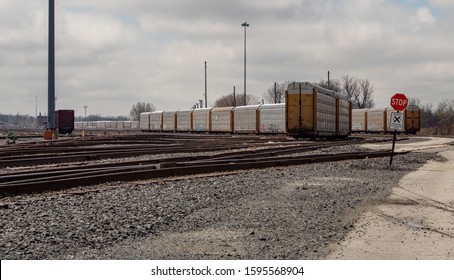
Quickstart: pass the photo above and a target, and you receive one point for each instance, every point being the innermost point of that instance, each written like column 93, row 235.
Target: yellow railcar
column 412, row 119
column 313, row 111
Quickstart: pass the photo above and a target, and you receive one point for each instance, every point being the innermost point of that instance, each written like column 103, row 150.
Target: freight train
column 310, row 111
column 107, row 125
column 378, row 120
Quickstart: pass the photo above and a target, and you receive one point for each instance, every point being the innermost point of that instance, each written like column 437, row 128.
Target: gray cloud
column 111, row 54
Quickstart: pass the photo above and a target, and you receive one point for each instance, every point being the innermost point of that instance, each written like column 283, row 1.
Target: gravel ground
column 295, row 212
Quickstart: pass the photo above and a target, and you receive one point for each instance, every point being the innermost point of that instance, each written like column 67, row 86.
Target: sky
column 112, row 54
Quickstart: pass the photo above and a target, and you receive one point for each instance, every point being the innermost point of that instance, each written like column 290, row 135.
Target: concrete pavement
column 416, row 221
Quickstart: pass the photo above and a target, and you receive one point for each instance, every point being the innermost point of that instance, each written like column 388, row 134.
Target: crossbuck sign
column 397, row 120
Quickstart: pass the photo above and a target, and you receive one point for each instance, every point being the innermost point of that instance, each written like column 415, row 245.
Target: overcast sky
column 111, row 54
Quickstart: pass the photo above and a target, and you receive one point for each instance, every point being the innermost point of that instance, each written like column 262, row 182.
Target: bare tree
column 359, row 91
column 427, row 116
column 445, row 116
column 276, row 93
column 333, row 85
column 365, row 98
column 139, row 108
column 229, row 101
column 414, row 102
column 350, row 87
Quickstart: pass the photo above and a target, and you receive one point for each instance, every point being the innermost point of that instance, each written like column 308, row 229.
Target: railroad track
column 81, row 151
column 109, row 148
column 45, row 180
column 263, row 154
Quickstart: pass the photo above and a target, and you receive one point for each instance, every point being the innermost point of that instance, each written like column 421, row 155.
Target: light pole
column 51, row 124
column 206, row 97
column 85, row 108
column 245, row 25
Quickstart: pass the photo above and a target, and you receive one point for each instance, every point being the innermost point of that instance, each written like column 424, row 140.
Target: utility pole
column 51, row 68
column 234, row 97
column 245, row 25
column 206, row 97
column 36, row 111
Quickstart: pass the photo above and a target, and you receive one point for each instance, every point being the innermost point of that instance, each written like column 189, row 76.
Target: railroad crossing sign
column 397, row 120
column 399, row 102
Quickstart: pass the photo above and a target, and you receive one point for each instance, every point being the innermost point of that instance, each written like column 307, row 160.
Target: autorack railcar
column 246, row 119
column 310, row 111
column 313, row 111
column 378, row 120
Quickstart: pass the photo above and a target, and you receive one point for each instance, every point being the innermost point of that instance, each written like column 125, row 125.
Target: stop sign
column 399, row 102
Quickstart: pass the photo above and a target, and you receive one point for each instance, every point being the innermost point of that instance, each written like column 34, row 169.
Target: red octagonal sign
column 399, row 102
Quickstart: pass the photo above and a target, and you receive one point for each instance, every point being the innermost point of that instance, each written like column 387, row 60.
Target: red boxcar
column 64, row 121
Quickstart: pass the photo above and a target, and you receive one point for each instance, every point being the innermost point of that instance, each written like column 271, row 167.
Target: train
column 106, row 125
column 378, row 120
column 310, row 111
column 313, row 111
column 251, row 119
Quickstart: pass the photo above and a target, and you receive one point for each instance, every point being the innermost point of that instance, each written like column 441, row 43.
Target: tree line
column 439, row 121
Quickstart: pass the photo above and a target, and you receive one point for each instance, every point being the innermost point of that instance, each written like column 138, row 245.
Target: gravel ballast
column 295, row 212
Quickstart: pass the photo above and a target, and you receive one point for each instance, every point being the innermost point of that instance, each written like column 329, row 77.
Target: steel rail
column 251, row 153
column 168, row 169
column 90, row 155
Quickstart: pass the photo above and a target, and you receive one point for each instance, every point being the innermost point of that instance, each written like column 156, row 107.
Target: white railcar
column 359, row 120
column 245, row 119
column 376, row 120
column 201, row 120
column 184, row 120
column 169, row 121
column 222, row 119
column 272, row 118
column 156, row 120
column 145, row 124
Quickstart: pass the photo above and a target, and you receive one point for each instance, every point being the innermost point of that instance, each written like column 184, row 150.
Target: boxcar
column 221, row 120
column 359, row 120
column 343, row 113
column 156, row 120
column 145, row 121
column 130, row 125
column 184, row 120
column 412, row 119
column 377, row 120
column 169, row 121
column 201, row 120
column 272, row 118
column 64, row 121
column 246, row 119
column 310, row 111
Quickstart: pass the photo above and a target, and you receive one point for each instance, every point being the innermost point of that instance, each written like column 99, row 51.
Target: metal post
column 85, row 108
column 51, row 68
column 275, row 92
column 206, row 97
column 234, row 97
column 392, row 150
column 245, row 25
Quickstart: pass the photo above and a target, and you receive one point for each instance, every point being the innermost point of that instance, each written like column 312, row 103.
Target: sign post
column 399, row 102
